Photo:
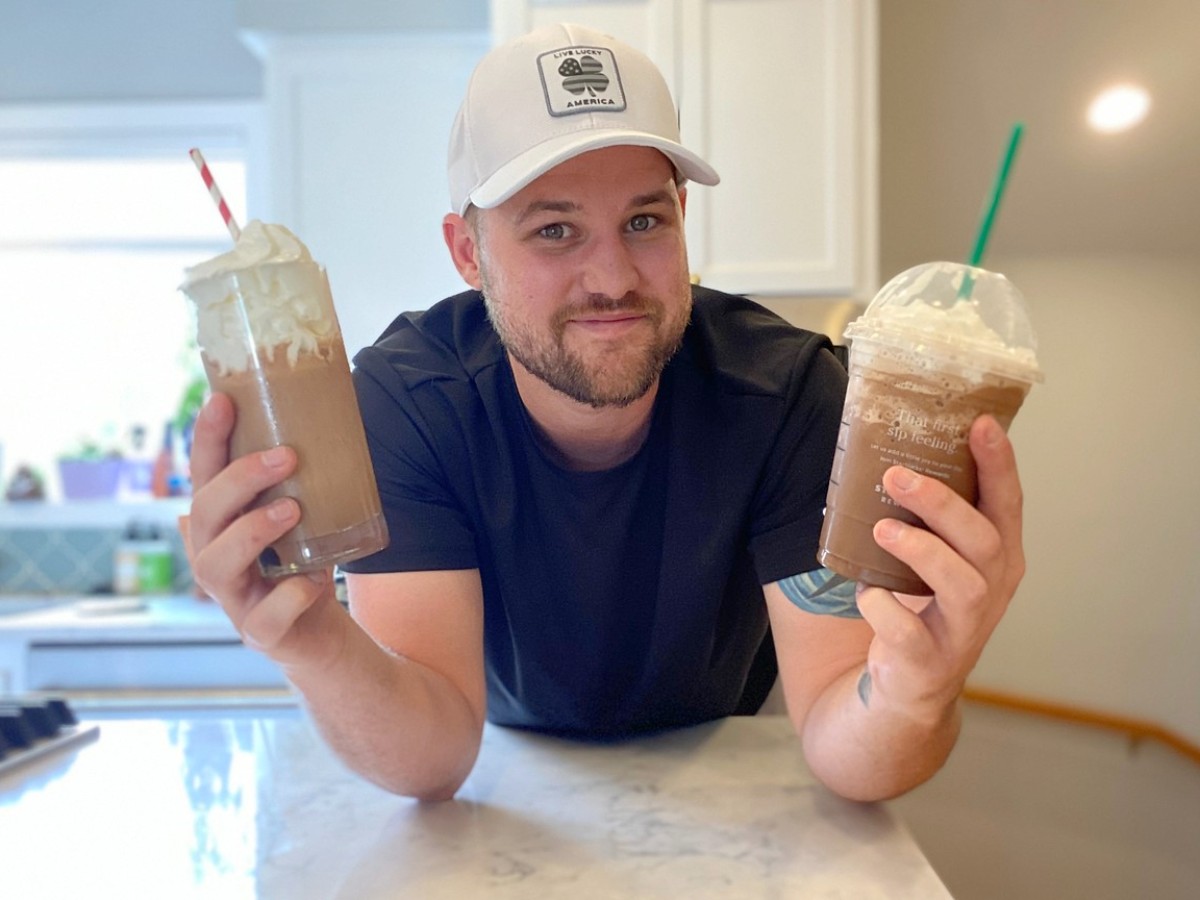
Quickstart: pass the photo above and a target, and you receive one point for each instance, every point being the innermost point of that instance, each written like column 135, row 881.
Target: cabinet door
column 649, row 25
column 779, row 96
column 358, row 156
column 776, row 97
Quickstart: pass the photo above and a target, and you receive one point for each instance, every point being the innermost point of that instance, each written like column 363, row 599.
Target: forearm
column 392, row 720
column 863, row 750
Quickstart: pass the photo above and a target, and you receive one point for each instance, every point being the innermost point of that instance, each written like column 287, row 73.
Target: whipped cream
column 933, row 309
column 267, row 293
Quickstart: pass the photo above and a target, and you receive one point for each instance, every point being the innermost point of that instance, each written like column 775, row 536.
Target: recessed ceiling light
column 1118, row 108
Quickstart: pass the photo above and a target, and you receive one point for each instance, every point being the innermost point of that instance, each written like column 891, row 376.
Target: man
column 603, row 486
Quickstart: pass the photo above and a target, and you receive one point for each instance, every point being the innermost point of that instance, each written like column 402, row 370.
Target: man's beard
column 616, row 378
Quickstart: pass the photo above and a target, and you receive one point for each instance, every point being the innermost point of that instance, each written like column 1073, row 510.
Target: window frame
column 144, row 130
column 147, row 129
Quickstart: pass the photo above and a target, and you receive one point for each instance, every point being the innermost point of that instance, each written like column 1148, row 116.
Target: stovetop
column 32, row 727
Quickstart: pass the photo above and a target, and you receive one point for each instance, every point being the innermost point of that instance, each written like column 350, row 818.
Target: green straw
column 989, row 213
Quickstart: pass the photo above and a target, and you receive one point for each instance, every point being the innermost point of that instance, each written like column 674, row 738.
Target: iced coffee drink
column 940, row 345
column 269, row 338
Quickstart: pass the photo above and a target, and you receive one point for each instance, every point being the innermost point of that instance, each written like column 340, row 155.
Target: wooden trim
column 1134, row 729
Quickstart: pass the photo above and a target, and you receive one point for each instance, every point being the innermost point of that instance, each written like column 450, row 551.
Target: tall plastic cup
column 940, row 345
column 269, row 338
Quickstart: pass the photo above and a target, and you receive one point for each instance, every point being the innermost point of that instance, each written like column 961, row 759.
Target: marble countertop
column 258, row 807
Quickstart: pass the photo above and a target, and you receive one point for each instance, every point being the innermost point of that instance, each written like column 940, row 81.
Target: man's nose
column 610, row 269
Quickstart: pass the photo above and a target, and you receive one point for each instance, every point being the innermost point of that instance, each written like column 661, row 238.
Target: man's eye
column 555, row 232
column 642, row 223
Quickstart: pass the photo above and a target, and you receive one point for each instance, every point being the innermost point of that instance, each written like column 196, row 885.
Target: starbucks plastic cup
column 939, row 346
column 269, row 338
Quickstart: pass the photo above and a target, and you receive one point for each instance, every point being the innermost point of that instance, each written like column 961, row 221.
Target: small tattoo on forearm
column 864, row 688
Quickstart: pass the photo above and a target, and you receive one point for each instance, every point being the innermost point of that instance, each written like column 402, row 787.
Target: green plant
column 90, row 449
column 194, row 391
column 190, row 402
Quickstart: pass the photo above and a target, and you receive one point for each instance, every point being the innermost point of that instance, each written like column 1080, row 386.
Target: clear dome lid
column 957, row 310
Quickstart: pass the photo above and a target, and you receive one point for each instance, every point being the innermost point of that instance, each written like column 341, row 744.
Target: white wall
column 55, row 51
column 1109, row 614
column 362, row 16
column 82, row 50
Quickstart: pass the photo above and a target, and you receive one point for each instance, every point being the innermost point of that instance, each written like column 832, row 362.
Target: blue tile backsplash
column 72, row 560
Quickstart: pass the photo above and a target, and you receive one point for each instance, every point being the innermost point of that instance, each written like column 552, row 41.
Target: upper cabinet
column 357, row 128
column 780, row 96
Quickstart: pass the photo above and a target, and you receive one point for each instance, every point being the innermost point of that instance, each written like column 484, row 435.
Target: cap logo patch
column 581, row 79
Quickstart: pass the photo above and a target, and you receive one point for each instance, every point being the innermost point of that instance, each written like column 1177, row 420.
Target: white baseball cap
column 549, row 96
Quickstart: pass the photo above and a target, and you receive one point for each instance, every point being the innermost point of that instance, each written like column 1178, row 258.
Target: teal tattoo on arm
column 864, row 688
column 822, row 592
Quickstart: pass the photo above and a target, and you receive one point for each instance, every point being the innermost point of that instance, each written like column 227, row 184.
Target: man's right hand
column 290, row 619
column 408, row 717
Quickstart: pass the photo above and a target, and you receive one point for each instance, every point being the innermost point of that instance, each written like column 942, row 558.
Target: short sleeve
column 428, row 524
column 790, row 503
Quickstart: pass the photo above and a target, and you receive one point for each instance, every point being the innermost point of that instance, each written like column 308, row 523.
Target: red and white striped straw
column 215, row 192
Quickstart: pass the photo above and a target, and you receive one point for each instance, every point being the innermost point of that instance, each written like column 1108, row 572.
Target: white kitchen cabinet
column 356, row 140
column 780, row 96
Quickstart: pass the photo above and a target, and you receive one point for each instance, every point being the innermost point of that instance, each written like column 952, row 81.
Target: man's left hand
column 924, row 648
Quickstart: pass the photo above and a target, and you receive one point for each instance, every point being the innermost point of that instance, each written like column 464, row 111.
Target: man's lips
column 607, row 324
column 608, row 317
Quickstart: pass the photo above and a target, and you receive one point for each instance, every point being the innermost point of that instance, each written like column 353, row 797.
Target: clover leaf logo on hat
column 581, row 80
column 585, row 74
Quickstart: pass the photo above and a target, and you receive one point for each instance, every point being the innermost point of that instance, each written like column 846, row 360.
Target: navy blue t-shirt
column 626, row 600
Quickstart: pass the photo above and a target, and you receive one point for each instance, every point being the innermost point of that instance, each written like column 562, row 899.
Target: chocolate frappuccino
column 269, row 338
column 941, row 345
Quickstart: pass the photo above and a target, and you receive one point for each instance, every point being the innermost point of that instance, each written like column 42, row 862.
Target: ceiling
column 956, row 74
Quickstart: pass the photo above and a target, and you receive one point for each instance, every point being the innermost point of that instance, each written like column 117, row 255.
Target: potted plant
column 90, row 471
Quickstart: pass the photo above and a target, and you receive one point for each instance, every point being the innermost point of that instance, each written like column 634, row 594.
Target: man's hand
column 874, row 734
column 924, row 649
column 395, row 717
column 287, row 619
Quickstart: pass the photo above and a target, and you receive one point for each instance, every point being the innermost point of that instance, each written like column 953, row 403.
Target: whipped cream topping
column 265, row 294
column 961, row 323
column 932, row 309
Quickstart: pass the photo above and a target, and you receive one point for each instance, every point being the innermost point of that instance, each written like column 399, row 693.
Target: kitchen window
column 103, row 209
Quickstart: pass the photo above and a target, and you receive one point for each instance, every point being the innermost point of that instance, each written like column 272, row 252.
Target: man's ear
column 464, row 249
column 683, row 199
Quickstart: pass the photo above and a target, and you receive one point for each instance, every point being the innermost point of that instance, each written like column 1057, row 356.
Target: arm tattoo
column 864, row 688
column 822, row 592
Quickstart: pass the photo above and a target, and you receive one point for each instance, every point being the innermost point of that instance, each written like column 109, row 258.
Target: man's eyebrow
column 538, row 206
column 662, row 196
column 568, row 206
